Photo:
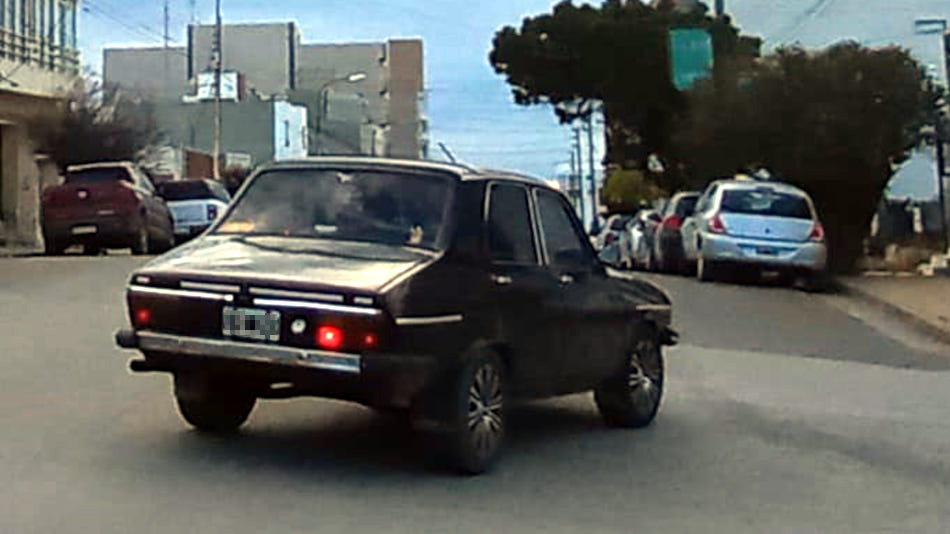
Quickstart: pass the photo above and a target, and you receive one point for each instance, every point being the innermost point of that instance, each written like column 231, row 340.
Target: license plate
column 766, row 251
column 251, row 323
column 83, row 230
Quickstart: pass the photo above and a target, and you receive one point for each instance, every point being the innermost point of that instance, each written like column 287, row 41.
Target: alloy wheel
column 485, row 404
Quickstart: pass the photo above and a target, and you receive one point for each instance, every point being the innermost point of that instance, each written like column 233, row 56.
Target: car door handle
column 566, row 279
column 501, row 280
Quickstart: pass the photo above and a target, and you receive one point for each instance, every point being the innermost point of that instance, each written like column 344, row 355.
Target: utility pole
column 720, row 8
column 594, row 226
column 218, row 61
column 572, row 188
column 580, row 171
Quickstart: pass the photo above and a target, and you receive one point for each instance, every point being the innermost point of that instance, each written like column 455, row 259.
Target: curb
column 910, row 319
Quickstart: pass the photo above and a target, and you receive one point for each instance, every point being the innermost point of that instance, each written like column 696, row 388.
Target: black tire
column 52, row 247
column 632, row 398
column 706, row 270
column 140, row 241
column 476, row 418
column 212, row 409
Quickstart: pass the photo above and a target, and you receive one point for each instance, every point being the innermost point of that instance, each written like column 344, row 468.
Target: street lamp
column 926, row 26
column 352, row 77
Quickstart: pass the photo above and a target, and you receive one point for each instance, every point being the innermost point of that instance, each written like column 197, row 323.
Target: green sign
column 691, row 56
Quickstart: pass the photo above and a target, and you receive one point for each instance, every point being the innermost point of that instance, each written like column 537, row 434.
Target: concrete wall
column 159, row 73
column 321, row 63
column 406, row 84
column 265, row 53
column 290, row 131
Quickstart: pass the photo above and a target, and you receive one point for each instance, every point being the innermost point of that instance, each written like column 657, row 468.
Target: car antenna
column 447, row 152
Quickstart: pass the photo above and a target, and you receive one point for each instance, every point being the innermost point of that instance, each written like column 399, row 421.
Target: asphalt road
column 784, row 413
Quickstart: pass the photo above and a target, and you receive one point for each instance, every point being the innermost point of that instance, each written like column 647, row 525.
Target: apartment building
column 39, row 64
column 361, row 98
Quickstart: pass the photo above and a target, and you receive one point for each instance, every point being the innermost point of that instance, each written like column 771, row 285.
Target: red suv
column 106, row 205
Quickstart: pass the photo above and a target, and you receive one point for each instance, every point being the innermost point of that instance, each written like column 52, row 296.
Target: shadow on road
column 352, row 438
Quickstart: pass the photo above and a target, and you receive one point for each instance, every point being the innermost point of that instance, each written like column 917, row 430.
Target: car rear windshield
column 618, row 223
column 90, row 176
column 765, row 202
column 186, row 190
column 388, row 207
column 685, row 205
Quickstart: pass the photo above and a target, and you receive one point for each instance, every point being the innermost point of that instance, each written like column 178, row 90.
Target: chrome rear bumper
column 236, row 350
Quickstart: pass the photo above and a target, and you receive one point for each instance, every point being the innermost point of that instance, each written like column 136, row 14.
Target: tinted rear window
column 685, row 205
column 618, row 223
column 187, row 190
column 90, row 176
column 765, row 202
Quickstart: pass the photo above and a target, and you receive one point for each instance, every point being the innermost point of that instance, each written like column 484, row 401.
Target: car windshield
column 685, row 205
column 388, row 207
column 89, row 176
column 765, row 201
column 186, row 190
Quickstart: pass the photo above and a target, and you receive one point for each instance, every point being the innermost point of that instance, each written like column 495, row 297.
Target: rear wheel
column 632, row 398
column 706, row 270
column 209, row 408
column 476, row 421
column 53, row 247
column 140, row 243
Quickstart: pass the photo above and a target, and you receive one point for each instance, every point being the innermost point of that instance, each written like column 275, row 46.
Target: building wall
column 406, row 86
column 265, row 53
column 39, row 58
column 159, row 73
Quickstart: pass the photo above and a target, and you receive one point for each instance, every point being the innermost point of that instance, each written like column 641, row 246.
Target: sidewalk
column 923, row 301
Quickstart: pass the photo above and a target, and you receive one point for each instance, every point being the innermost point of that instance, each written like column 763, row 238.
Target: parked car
column 105, row 205
column 765, row 226
column 194, row 204
column 667, row 241
column 612, row 230
column 429, row 288
column 642, row 229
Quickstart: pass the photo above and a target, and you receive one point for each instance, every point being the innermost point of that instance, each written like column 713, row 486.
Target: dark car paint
column 71, row 204
column 554, row 336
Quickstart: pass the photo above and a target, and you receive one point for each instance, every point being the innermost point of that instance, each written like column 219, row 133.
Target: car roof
column 754, row 184
column 100, row 165
column 461, row 171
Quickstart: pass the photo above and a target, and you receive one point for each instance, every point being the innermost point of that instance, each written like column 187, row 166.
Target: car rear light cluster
column 673, row 222
column 334, row 338
column 716, row 225
column 817, row 233
column 142, row 317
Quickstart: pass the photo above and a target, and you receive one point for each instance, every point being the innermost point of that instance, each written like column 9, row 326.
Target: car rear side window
column 686, row 205
column 511, row 239
column 187, row 190
column 765, row 201
column 103, row 175
column 561, row 240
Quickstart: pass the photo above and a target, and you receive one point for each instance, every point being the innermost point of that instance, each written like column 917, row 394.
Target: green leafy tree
column 615, row 55
column 98, row 123
column 626, row 190
column 835, row 122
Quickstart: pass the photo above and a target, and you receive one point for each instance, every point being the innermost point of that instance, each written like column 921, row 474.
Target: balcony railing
column 39, row 52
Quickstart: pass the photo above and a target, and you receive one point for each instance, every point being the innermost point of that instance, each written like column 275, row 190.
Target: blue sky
column 469, row 106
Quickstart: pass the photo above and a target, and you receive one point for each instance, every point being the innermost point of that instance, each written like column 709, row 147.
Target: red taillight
column 673, row 222
column 212, row 212
column 817, row 232
column 330, row 337
column 142, row 317
column 716, row 225
column 370, row 341
column 610, row 239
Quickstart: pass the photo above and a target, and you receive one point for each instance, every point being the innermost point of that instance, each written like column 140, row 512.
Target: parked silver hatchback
column 767, row 225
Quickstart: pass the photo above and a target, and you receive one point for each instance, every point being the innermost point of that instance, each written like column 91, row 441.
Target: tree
column 615, row 54
column 99, row 123
column 835, row 122
column 627, row 189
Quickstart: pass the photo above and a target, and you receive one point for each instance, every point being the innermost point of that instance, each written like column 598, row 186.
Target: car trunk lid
column 767, row 227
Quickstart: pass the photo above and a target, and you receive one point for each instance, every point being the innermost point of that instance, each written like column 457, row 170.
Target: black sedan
column 433, row 289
